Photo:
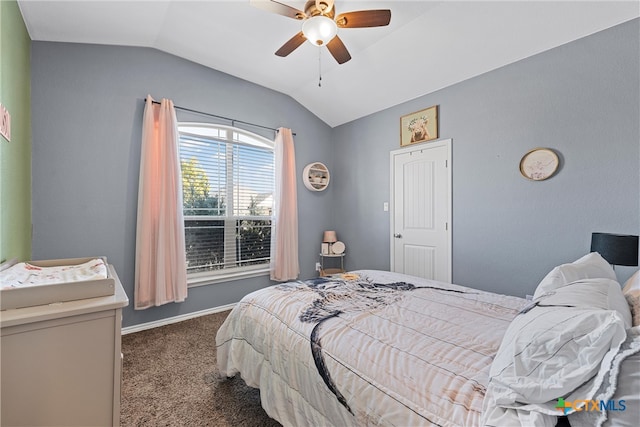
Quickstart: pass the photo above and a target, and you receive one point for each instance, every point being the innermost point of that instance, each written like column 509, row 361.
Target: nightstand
column 333, row 260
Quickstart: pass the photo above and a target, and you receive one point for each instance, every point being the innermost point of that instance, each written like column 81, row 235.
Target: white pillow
column 619, row 389
column 628, row 390
column 631, row 291
column 603, row 294
column 549, row 351
column 590, row 266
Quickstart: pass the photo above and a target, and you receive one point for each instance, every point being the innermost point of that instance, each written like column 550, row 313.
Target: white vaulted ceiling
column 428, row 45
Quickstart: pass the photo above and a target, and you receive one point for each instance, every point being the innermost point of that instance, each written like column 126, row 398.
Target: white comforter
column 375, row 348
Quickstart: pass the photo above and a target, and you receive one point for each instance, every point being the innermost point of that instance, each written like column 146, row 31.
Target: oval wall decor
column 539, row 164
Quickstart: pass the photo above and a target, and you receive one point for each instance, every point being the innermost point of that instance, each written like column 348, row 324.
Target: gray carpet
column 170, row 378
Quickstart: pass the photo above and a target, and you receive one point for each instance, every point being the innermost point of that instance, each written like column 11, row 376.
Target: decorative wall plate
column 539, row 164
column 338, row 248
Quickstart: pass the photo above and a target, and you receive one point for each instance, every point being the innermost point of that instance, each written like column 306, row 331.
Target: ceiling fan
column 320, row 25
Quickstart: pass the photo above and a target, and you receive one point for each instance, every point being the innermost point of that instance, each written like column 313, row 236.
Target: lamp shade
column 319, row 30
column 617, row 249
column 329, row 237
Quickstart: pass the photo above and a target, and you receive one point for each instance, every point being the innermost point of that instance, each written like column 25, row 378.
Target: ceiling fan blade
column 291, row 45
column 338, row 50
column 279, row 8
column 364, row 18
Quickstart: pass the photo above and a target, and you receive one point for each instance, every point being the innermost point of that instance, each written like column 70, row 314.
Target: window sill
column 204, row 279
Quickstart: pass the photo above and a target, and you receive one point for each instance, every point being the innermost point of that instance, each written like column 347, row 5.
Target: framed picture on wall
column 420, row 126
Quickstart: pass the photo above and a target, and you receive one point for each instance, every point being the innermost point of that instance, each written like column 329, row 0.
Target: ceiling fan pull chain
column 319, row 68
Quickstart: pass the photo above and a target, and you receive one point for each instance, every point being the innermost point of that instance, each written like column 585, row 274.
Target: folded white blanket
column 24, row 274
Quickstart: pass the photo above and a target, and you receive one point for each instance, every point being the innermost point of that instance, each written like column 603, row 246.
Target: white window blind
column 228, row 181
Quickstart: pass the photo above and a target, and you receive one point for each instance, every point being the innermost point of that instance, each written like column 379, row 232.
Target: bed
column 379, row 348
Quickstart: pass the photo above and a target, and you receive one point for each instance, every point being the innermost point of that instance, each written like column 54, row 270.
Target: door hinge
column 446, row 226
column 446, row 163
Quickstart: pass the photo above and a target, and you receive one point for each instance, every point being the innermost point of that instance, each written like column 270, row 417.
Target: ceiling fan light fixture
column 319, row 30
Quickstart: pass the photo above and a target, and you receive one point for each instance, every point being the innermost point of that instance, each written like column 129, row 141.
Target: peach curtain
column 160, row 275
column 284, row 234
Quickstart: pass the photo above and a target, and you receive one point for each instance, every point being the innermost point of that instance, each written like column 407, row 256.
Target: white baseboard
column 175, row 319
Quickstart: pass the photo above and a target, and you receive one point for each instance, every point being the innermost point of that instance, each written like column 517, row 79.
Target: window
column 227, row 186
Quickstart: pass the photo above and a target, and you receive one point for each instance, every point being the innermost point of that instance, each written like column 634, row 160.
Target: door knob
column 397, row 235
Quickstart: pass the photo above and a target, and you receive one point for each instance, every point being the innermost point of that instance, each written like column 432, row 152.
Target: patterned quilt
column 367, row 348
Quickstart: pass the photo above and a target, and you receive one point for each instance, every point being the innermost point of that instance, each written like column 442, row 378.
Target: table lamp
column 329, row 238
column 617, row 249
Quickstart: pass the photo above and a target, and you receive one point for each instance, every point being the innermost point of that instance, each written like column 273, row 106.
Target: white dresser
column 62, row 363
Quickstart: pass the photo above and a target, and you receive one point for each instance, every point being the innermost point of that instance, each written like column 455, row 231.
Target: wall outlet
column 317, row 266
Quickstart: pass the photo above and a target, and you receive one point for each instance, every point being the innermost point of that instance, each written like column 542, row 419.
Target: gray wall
column 87, row 103
column 581, row 99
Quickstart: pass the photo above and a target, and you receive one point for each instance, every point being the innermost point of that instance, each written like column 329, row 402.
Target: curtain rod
column 219, row 117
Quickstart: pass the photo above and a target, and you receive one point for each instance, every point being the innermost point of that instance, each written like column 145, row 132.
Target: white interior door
column 421, row 210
